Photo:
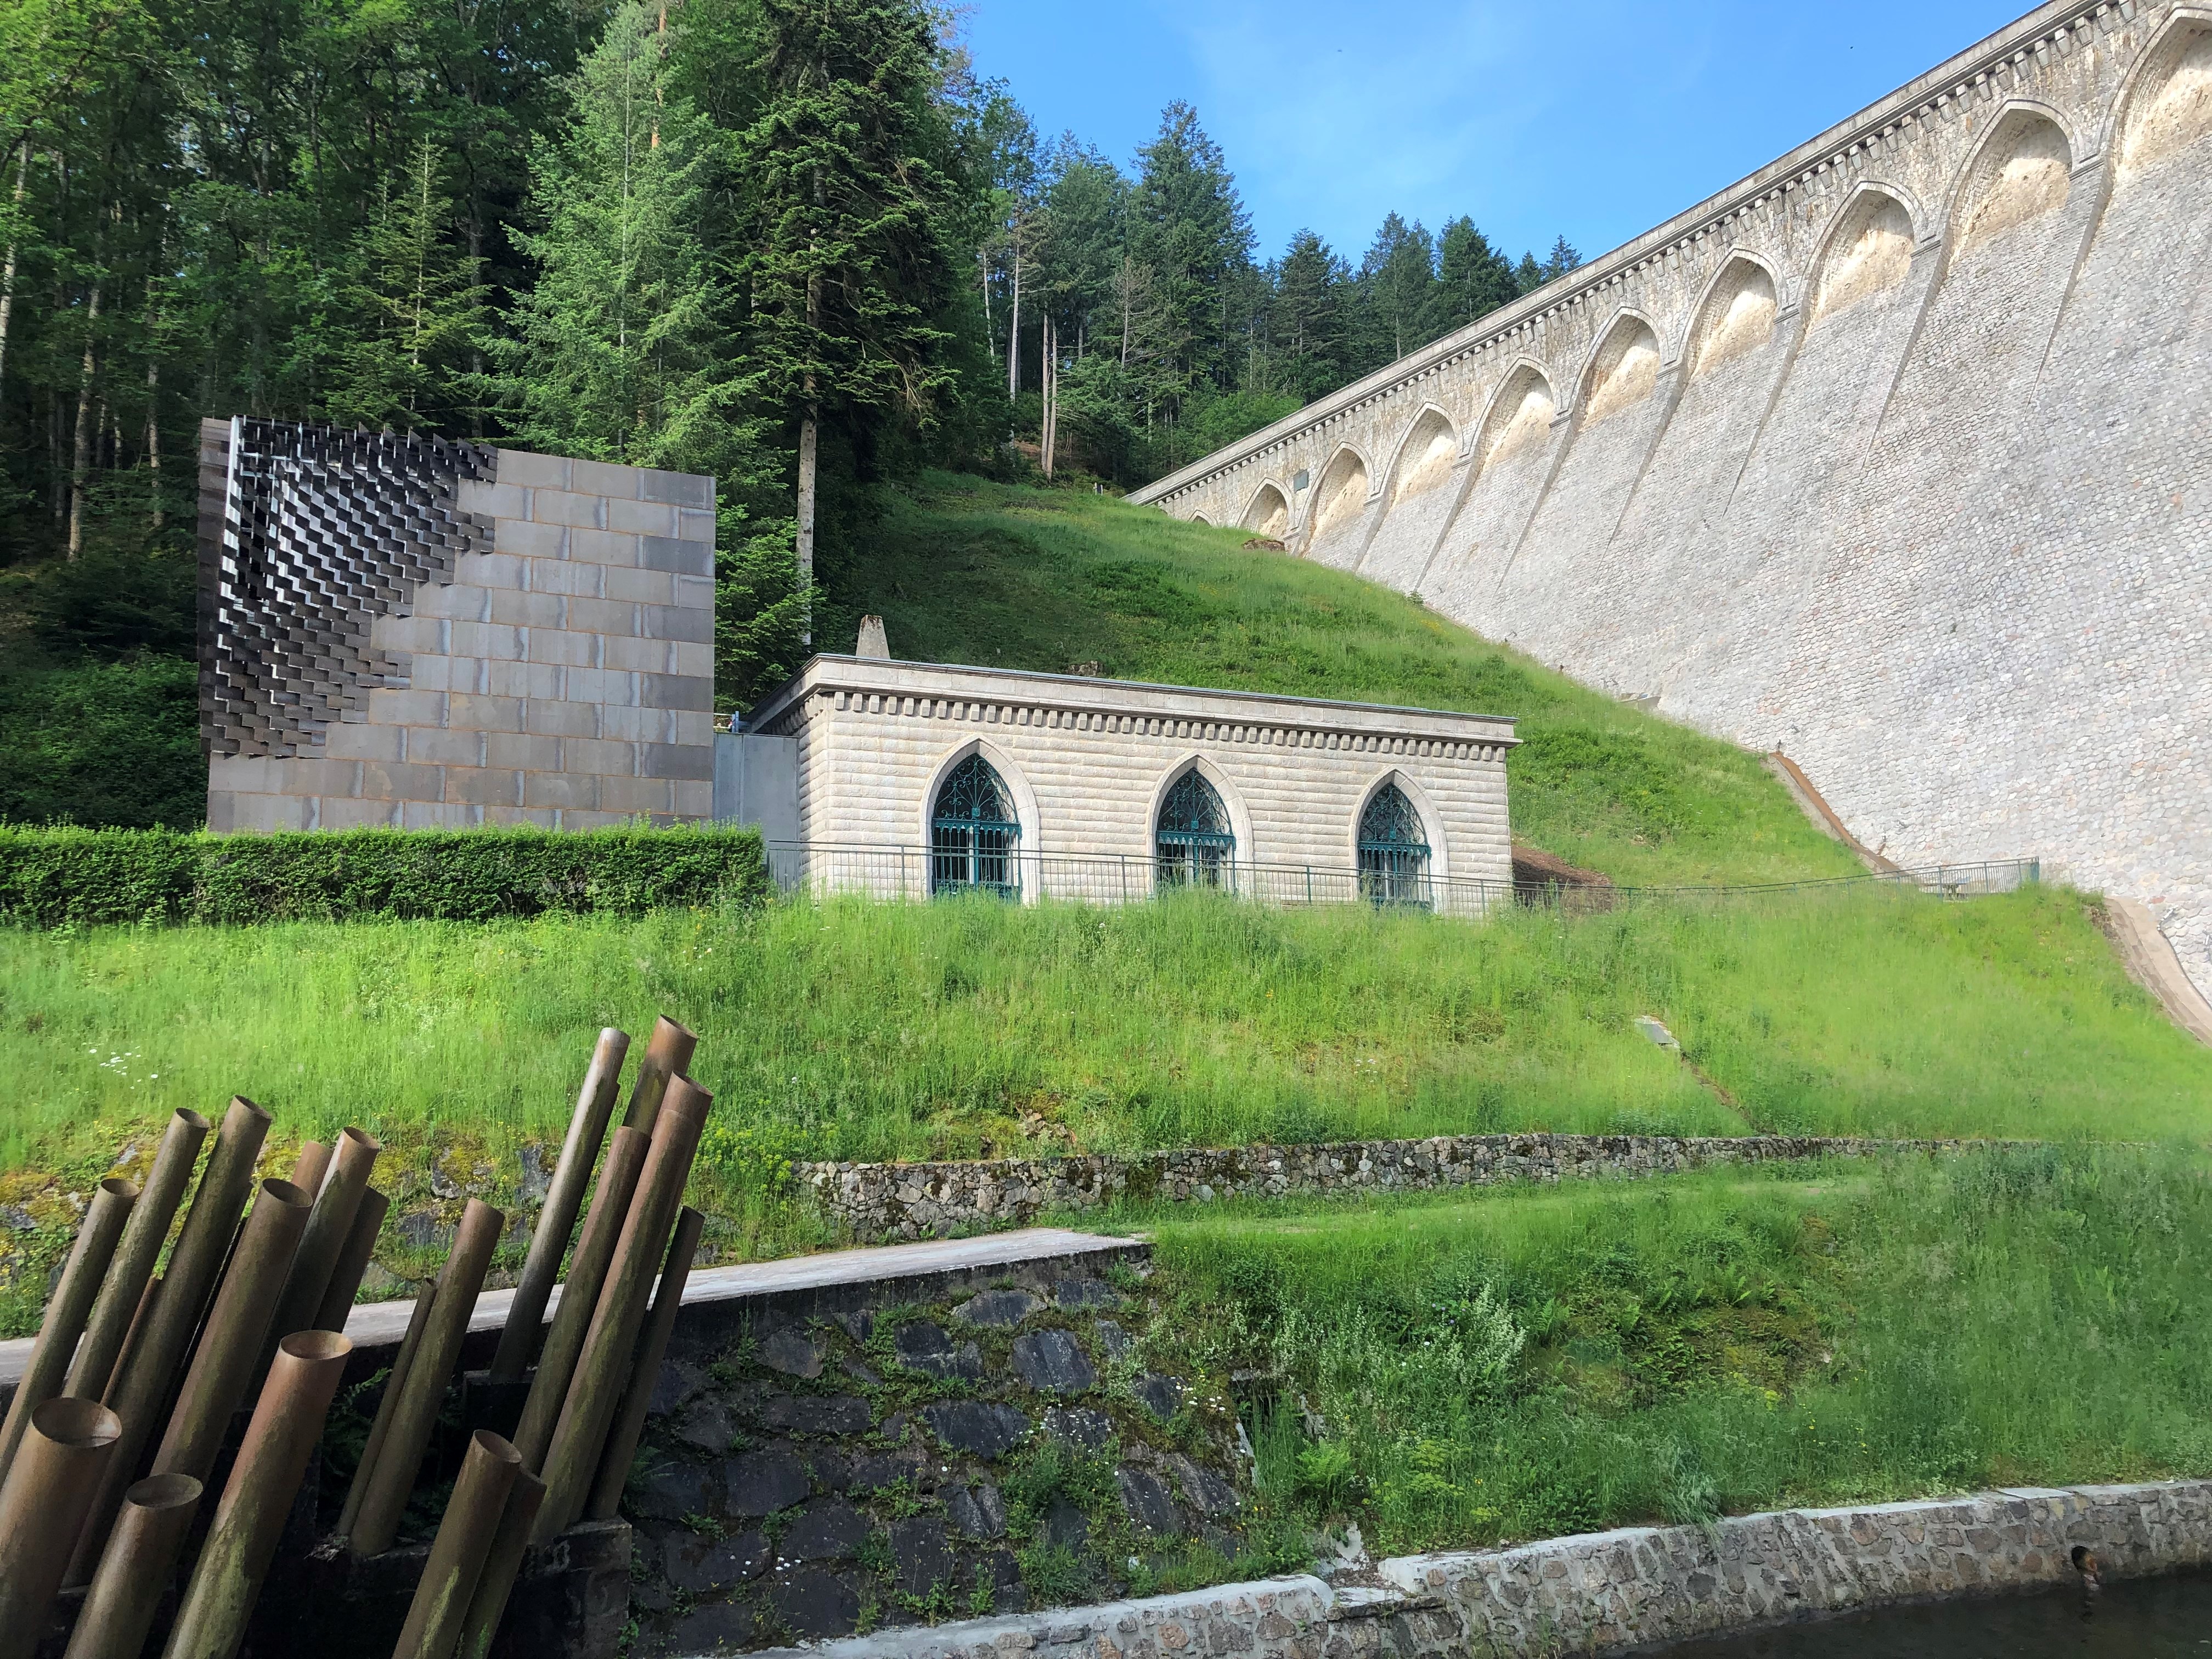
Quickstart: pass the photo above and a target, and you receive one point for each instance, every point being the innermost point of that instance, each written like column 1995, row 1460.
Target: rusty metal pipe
column 415, row 1411
column 652, row 1348
column 572, row 1462
column 65, row 1445
column 426, row 1296
column 667, row 1054
column 308, row 1170
column 564, row 1199
column 230, row 1348
column 250, row 1517
column 134, row 1573
column 465, row 1539
column 353, row 1261
column 141, row 1388
column 329, row 1225
column 67, row 1309
column 137, row 1329
column 143, row 1236
column 496, row 1582
column 587, row 1272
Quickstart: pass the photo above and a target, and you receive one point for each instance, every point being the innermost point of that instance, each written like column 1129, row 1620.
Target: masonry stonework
column 1615, row 1592
column 559, row 672
column 881, row 1202
column 1089, row 761
column 1889, row 456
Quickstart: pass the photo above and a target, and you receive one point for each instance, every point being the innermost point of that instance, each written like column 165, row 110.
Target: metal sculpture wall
column 307, row 533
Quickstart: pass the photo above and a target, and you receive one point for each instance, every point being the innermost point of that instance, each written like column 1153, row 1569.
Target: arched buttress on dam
column 1336, row 521
column 1642, row 617
column 1512, row 451
column 1418, row 499
column 1915, row 589
column 1268, row 513
column 1551, row 586
column 1861, row 298
column 1891, row 454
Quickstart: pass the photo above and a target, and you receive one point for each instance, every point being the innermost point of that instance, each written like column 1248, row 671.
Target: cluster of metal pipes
column 252, row 1312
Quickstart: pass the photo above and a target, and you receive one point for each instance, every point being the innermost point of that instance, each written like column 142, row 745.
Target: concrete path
column 373, row 1323
column 2149, row 958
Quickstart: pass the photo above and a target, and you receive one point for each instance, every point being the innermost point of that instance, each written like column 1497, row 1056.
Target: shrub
column 61, row 876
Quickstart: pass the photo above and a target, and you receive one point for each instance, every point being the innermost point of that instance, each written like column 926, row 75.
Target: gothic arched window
column 1394, row 849
column 973, row 835
column 1193, row 840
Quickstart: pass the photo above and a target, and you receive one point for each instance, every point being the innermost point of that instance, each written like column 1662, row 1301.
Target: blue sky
column 1597, row 120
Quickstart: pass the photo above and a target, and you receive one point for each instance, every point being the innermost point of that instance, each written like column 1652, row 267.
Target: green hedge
column 59, row 876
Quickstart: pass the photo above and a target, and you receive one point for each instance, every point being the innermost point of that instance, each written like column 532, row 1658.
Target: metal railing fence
column 908, row 873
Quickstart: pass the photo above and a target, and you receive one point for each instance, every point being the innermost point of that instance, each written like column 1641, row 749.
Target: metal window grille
column 1393, row 851
column 973, row 835
column 1193, row 843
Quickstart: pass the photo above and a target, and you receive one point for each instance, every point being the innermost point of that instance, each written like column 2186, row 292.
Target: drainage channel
column 2164, row 1618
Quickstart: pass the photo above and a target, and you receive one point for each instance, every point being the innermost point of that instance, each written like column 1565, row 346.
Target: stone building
column 908, row 778
column 417, row 633
column 1889, row 455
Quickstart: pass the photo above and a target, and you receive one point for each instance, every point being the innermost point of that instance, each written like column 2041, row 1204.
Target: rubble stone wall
column 1609, row 1592
column 885, row 1201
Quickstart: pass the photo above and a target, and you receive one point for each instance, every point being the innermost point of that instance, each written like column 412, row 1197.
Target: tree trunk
column 990, row 331
column 1049, row 379
column 8, row 275
column 88, row 376
column 154, row 395
column 1014, row 329
column 810, row 427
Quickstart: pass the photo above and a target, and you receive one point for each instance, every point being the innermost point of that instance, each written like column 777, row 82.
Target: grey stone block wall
column 1889, row 455
column 564, row 678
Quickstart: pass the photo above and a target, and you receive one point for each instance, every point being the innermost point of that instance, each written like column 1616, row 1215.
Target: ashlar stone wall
column 562, row 678
column 1887, row 456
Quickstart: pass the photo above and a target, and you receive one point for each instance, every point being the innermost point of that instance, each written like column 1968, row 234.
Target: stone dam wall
column 1889, row 456
column 881, row 1202
column 1611, row 1592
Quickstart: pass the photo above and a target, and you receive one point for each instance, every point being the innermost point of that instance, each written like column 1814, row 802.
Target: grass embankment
column 1531, row 1364
column 965, row 571
column 864, row 1031
column 852, row 1029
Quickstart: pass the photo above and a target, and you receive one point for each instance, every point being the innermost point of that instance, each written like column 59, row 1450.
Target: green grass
column 969, row 571
column 902, row 1030
column 1526, row 1364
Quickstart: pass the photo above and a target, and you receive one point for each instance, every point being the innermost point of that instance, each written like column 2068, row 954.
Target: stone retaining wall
column 1607, row 1592
column 919, row 1200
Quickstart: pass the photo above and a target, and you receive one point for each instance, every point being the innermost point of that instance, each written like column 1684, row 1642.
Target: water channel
column 2169, row 1618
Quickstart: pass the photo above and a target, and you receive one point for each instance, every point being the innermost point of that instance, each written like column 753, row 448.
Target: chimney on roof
column 871, row 643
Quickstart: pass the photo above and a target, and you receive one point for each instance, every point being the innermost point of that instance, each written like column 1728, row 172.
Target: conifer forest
column 759, row 239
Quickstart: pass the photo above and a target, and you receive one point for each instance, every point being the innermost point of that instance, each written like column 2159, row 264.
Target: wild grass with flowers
column 1456, row 1370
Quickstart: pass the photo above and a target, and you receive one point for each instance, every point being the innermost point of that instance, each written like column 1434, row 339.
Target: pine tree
column 1308, row 323
column 1397, row 285
column 846, row 273
column 615, row 354
column 1529, row 276
column 412, row 312
column 1562, row 260
column 1189, row 226
column 1472, row 278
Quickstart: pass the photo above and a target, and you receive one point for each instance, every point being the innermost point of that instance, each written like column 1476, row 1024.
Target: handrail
column 903, row 872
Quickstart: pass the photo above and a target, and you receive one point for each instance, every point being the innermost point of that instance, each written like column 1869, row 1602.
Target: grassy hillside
column 959, row 1029
column 852, row 1030
column 965, row 571
column 1530, row 1364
